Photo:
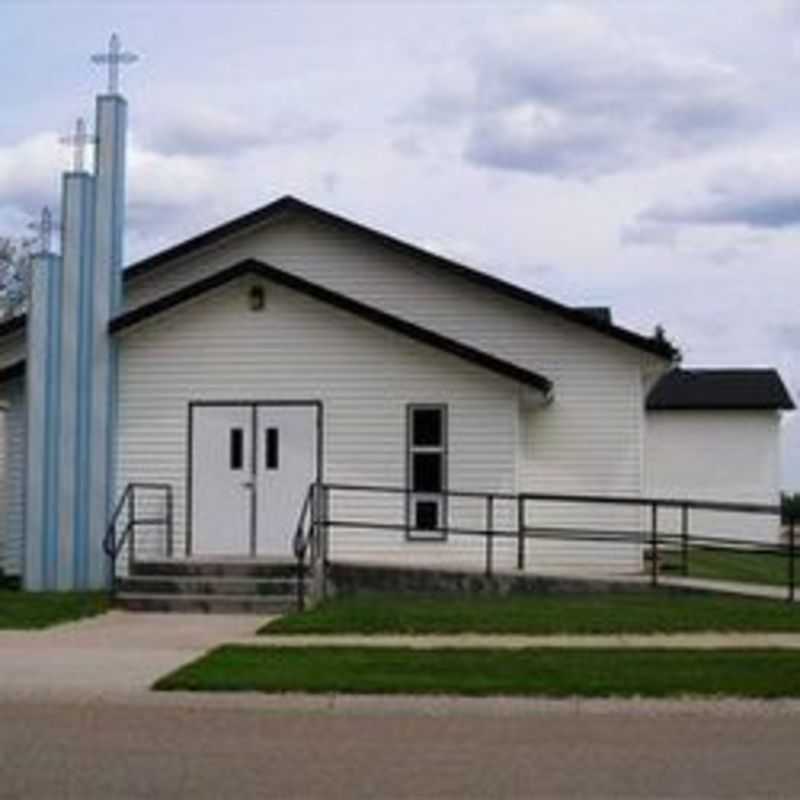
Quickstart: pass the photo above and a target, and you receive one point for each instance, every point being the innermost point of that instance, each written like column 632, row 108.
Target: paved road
column 244, row 747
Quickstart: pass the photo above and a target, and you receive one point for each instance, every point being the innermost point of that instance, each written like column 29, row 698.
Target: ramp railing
column 683, row 537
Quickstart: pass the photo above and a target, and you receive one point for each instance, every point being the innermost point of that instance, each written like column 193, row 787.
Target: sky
column 640, row 155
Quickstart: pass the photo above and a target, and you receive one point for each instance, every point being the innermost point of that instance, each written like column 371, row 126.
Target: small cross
column 78, row 140
column 114, row 57
column 44, row 229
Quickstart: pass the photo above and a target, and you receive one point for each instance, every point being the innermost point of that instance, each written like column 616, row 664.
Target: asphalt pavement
column 176, row 746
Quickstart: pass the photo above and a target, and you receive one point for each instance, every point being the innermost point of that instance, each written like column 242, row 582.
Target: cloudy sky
column 643, row 155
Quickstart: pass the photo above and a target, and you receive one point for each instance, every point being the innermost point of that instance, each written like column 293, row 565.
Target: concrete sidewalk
column 116, row 653
column 120, row 654
column 760, row 590
column 702, row 641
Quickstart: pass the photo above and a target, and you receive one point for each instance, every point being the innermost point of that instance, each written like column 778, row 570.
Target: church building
column 202, row 391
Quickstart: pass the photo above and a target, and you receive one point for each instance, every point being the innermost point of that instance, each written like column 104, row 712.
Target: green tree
column 16, row 255
column 790, row 506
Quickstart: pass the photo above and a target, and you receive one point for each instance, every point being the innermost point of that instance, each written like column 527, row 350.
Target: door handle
column 248, row 485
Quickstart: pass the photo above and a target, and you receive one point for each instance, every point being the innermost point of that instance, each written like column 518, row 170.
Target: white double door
column 251, row 466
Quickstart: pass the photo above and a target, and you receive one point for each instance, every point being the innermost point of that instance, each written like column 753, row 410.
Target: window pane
column 272, row 448
column 427, row 472
column 427, row 515
column 237, row 448
column 427, row 427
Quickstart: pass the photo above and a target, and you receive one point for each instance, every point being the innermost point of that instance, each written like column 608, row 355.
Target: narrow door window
column 427, row 472
column 237, row 448
column 272, row 444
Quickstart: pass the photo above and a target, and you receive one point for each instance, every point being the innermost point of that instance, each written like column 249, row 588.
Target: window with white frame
column 427, row 472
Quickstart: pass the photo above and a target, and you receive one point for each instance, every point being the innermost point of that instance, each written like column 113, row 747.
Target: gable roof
column 287, row 205
column 719, row 389
column 340, row 301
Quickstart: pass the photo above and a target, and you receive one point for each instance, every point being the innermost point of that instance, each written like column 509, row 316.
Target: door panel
column 286, row 458
column 222, row 480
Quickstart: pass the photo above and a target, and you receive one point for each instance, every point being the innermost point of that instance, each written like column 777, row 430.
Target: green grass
column 540, row 672
column 34, row 610
column 624, row 612
column 764, row 568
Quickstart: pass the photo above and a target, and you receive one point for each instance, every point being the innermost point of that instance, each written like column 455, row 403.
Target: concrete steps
column 206, row 603
column 216, row 569
column 213, row 587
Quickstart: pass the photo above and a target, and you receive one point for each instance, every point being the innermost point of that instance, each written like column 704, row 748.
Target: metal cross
column 44, row 229
column 114, row 57
column 78, row 140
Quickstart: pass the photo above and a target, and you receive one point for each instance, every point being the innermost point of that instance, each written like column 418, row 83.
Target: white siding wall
column 298, row 348
column 3, row 486
column 731, row 456
column 12, row 520
column 12, row 456
column 589, row 441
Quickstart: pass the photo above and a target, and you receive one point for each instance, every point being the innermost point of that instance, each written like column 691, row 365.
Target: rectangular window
column 237, row 448
column 426, row 515
column 427, row 427
column 426, row 508
column 427, row 471
column 272, row 448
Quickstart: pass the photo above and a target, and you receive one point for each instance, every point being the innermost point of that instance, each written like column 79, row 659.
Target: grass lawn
column 766, row 568
column 550, row 673
column 33, row 610
column 625, row 612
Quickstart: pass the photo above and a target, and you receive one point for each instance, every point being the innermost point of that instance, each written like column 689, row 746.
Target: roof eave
column 288, row 203
column 504, row 368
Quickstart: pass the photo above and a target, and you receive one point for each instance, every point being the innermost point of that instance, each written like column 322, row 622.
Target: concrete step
column 215, row 569
column 211, row 585
column 206, row 603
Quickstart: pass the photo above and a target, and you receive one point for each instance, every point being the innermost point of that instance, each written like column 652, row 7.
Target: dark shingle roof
column 252, row 266
column 600, row 313
column 291, row 205
column 594, row 319
column 732, row 389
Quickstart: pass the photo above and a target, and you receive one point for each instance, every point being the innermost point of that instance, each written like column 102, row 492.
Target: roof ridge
column 731, row 388
column 287, row 202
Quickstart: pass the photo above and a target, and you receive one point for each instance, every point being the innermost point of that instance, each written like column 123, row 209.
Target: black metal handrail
column 306, row 541
column 114, row 543
column 654, row 538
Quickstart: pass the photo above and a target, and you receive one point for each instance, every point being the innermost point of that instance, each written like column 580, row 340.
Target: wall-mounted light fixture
column 256, row 298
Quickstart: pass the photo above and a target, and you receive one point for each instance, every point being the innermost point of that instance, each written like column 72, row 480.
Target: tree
column 790, row 506
column 16, row 256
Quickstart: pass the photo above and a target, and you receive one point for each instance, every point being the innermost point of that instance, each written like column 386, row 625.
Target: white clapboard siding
column 729, row 456
column 12, row 456
column 12, row 492
column 589, row 441
column 215, row 348
column 3, row 487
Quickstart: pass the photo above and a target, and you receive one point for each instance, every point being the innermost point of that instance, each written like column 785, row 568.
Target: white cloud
column 29, row 173
column 567, row 93
column 206, row 131
column 164, row 189
column 761, row 192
